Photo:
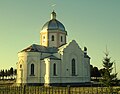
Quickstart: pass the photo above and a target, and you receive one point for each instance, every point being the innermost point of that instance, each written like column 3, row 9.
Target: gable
column 51, row 57
column 70, row 47
column 40, row 48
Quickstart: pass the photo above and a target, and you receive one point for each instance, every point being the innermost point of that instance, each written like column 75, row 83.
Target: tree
column 15, row 72
column 91, row 70
column 108, row 78
column 96, row 72
column 2, row 74
column 11, row 72
column 6, row 73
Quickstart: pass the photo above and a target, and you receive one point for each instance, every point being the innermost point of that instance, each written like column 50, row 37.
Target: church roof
column 51, row 50
column 51, row 57
column 39, row 48
column 66, row 45
column 53, row 24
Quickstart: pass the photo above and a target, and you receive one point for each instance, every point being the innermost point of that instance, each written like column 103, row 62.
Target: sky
column 92, row 23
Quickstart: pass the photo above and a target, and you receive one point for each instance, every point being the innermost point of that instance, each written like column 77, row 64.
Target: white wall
column 22, row 72
column 46, row 38
column 64, row 38
column 53, row 43
column 70, row 52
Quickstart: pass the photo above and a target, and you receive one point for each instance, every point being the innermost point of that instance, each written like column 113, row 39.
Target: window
column 43, row 38
column 61, row 39
column 52, row 38
column 73, row 67
column 32, row 69
column 20, row 65
column 54, row 69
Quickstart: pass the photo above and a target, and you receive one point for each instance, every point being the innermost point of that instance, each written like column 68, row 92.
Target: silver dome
column 53, row 25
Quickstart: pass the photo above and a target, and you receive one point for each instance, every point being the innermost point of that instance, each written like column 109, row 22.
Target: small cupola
column 54, row 24
column 53, row 15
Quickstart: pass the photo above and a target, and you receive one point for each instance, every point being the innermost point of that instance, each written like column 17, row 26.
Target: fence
column 57, row 90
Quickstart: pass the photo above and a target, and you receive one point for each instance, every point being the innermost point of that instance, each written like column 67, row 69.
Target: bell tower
column 53, row 33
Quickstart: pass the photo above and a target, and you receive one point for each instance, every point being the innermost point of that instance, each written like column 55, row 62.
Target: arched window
column 43, row 38
column 73, row 67
column 32, row 69
column 20, row 65
column 52, row 38
column 61, row 39
column 54, row 69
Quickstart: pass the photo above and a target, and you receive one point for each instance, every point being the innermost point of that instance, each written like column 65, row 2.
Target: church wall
column 63, row 38
column 42, row 71
column 22, row 68
column 43, row 67
column 52, row 76
column 68, row 74
column 55, row 78
column 44, row 38
column 33, row 58
column 47, row 70
column 52, row 43
column 87, row 68
column 70, row 52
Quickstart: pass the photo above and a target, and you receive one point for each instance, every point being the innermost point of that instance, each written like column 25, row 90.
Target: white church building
column 54, row 61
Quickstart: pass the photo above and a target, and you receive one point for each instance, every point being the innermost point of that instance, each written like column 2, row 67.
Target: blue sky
column 92, row 23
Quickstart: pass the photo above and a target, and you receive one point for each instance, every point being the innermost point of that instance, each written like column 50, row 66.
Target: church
column 54, row 61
